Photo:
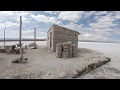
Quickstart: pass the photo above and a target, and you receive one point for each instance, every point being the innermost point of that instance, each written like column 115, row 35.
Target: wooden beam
column 35, row 37
column 20, row 38
column 4, row 35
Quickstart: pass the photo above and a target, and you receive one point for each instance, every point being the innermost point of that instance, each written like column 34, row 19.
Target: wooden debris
column 91, row 67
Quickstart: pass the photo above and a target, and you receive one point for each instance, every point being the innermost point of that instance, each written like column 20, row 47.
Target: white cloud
column 27, row 31
column 71, row 25
column 8, row 25
column 73, row 16
column 24, row 19
column 88, row 35
column 59, row 22
column 103, row 24
column 101, row 13
column 30, row 34
column 15, row 13
column 99, row 29
column 52, row 12
column 43, row 18
column 91, row 36
column 7, row 13
column 106, row 18
column 116, row 14
column 23, row 13
column 88, row 14
column 11, row 34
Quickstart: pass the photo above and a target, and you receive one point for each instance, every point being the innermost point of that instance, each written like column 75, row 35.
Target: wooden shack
column 58, row 34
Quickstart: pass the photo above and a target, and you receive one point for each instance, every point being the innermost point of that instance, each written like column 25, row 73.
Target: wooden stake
column 35, row 37
column 4, row 36
column 21, row 59
column 20, row 38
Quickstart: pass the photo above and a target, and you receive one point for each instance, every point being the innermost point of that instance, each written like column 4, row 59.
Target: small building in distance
column 58, row 34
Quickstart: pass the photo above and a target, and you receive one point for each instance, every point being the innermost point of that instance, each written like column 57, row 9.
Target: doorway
column 50, row 39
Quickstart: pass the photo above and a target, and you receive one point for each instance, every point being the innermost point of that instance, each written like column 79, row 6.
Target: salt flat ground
column 110, row 70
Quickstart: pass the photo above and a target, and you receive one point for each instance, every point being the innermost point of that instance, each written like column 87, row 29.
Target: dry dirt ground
column 43, row 64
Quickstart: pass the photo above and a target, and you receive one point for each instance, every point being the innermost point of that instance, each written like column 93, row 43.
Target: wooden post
column 21, row 58
column 4, row 36
column 35, row 38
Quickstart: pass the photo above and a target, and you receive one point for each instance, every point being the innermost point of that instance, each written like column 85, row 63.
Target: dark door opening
column 50, row 39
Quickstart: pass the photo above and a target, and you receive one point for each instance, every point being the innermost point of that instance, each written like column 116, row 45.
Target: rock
column 18, row 60
column 15, row 61
column 34, row 48
column 108, row 59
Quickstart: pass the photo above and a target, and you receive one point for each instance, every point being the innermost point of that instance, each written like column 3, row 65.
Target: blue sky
column 93, row 25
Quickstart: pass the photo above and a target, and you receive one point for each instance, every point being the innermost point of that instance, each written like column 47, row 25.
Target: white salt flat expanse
column 110, row 70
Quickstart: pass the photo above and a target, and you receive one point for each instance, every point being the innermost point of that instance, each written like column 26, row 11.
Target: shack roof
column 64, row 28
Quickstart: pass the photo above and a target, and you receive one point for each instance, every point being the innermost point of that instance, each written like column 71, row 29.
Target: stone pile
column 59, row 50
column 70, row 49
column 65, row 54
column 66, row 50
column 74, row 50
